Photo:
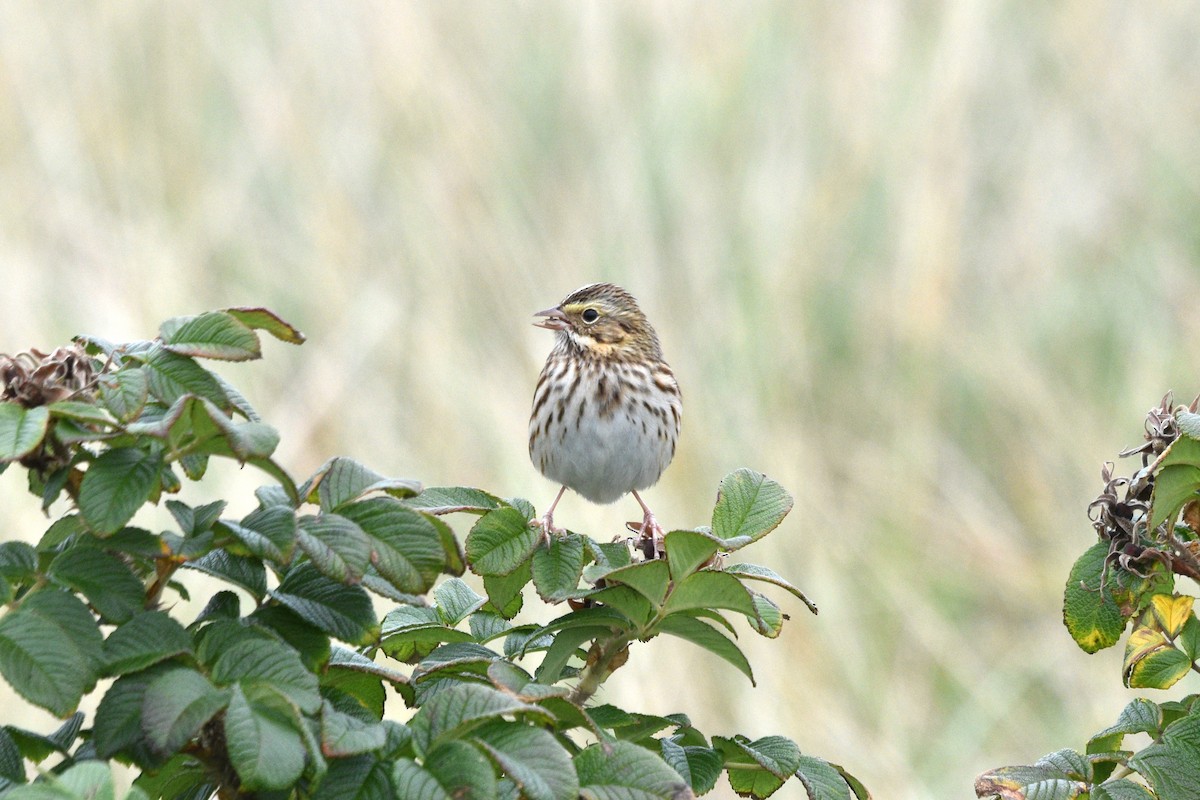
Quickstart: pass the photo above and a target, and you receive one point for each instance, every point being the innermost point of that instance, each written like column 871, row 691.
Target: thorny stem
column 608, row 657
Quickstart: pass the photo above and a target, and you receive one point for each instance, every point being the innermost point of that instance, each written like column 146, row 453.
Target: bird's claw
column 650, row 536
column 546, row 526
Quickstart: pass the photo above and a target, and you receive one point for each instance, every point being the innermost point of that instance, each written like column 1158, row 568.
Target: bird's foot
column 650, row 536
column 546, row 525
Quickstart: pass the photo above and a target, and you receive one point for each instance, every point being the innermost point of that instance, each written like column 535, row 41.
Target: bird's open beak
column 555, row 319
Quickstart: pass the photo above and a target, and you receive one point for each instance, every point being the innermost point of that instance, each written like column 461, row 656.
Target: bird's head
column 604, row 321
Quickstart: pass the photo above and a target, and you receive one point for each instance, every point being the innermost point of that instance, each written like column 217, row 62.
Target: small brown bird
column 606, row 411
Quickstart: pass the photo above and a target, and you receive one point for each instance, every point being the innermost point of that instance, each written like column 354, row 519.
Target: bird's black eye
column 590, row 315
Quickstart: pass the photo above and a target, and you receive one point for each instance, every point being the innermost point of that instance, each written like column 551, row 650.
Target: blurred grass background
column 927, row 264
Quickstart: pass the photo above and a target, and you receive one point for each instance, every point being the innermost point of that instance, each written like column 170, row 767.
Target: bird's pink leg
column 650, row 528
column 546, row 523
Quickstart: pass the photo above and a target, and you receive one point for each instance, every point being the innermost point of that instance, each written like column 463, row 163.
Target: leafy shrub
column 279, row 686
column 1148, row 525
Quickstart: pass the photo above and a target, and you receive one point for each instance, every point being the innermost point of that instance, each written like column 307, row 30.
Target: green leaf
column 268, row 663
column 118, row 722
column 18, row 562
column 266, row 320
column 177, row 704
column 708, row 589
column 50, row 650
column 777, row 756
column 248, row 573
column 357, row 778
column 414, row 782
column 213, row 334
column 464, row 706
column 1140, row 716
column 532, row 758
column 341, row 479
column 449, row 499
column 504, row 591
column 1177, row 479
column 79, row 411
column 756, row 573
column 21, row 429
column 116, row 485
column 262, row 739
column 268, row 533
column 708, row 637
column 105, row 580
column 12, row 767
column 1172, row 765
column 1121, row 789
column 500, row 542
column 124, row 393
column 749, row 506
column 404, row 545
column 338, row 547
column 650, row 579
column 147, row 638
column 699, row 766
column 344, row 735
column 456, row 601
column 344, row 612
column 1093, row 617
column 687, row 551
column 557, row 568
column 822, row 780
column 621, row 770
column 462, row 770
column 309, row 643
column 170, row 376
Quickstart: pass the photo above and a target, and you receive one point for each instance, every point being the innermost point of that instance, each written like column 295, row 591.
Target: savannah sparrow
column 606, row 409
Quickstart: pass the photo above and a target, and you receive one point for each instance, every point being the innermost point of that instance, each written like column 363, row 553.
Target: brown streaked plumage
column 606, row 410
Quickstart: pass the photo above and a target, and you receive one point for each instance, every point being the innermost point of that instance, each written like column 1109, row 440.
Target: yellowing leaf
column 1172, row 612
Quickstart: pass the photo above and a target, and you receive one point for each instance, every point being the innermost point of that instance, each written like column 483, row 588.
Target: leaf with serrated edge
column 756, row 573
column 21, row 429
column 749, row 504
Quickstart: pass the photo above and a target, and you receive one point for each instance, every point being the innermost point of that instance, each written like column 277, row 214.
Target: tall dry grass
column 927, row 264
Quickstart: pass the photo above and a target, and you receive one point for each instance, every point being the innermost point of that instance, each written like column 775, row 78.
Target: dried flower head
column 34, row 378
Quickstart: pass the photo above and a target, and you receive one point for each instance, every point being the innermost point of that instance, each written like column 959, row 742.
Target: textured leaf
column 265, row 320
column 341, row 479
column 463, row 770
column 557, row 567
column 504, row 591
column 116, row 485
column 248, row 573
column 344, row 612
column 456, row 600
column 414, row 782
column 118, row 722
column 170, row 376
column 213, row 334
column 707, row 589
column 177, row 703
column 699, row 766
column 105, row 580
column 621, row 771
column 1177, row 479
column 532, row 758
column 124, row 393
column 50, row 650
column 1093, row 618
column 337, row 546
column 262, row 738
column 708, row 637
column 500, row 542
column 777, row 756
column 464, row 706
column 21, row 429
column 749, row 506
column 404, row 545
column 687, row 551
column 822, row 780
column 648, row 578
column 147, row 638
column 358, row 778
column 272, row 664
column 449, row 499
column 268, row 533
column 343, row 735
column 756, row 573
